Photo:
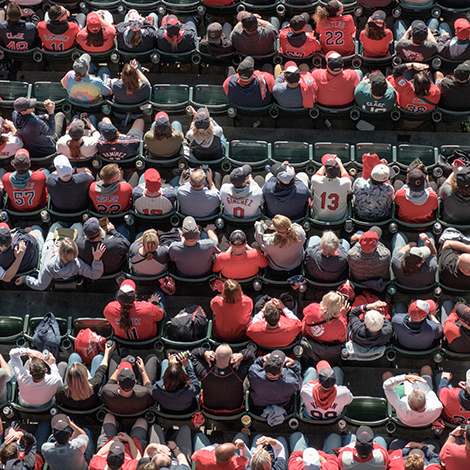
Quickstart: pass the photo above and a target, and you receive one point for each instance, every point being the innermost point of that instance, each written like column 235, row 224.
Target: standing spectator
column 456, row 321
column 147, row 256
column 458, row 47
column 85, row 88
column 112, row 194
column 75, row 145
column 330, row 188
column 455, row 453
column 26, row 189
column 454, row 264
column 374, row 94
column 15, row 33
column 174, row 37
column 217, row 42
column 137, row 34
column 415, row 44
column 193, row 257
column 10, row 142
column 232, row 313
column 455, row 89
column 39, row 133
column 117, row 245
column 240, row 261
column 419, row 406
column 336, row 31
column 197, row 199
column 68, row 187
column 283, row 248
column 417, row 328
column 205, row 137
column 58, row 33
column 455, row 194
column 297, row 40
column 335, row 85
column 369, row 258
column 274, row 326
column 164, row 140
column 98, row 36
column 455, row 400
column 286, row 193
column 133, row 87
column 37, row 387
column 375, row 38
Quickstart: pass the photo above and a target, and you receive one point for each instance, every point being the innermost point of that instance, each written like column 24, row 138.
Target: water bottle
column 131, row 360
column 109, row 343
column 8, row 412
column 293, row 423
column 45, row 353
column 4, row 216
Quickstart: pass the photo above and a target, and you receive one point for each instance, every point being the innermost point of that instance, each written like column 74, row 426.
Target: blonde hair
column 291, row 236
column 259, row 459
column 232, row 292
column 331, row 304
column 204, row 134
column 109, row 172
column 150, row 239
column 78, row 387
column 329, row 242
column 414, row 462
column 68, row 249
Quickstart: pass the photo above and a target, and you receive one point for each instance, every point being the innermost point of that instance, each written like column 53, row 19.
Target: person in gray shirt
column 72, row 449
column 193, row 256
column 5, row 376
column 293, row 89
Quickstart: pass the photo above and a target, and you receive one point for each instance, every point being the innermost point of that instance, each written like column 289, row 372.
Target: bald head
column 161, row 461
column 225, row 452
column 464, row 264
column 223, row 355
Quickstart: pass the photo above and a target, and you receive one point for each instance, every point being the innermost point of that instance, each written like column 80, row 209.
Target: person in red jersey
column 455, row 400
column 58, row 33
column 455, row 454
column 98, row 36
column 375, row 37
column 296, row 40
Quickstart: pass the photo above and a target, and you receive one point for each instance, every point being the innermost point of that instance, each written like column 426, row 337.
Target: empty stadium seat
column 212, row 96
column 9, row 91
column 367, row 411
column 49, row 91
column 13, row 330
column 170, row 97
column 249, row 152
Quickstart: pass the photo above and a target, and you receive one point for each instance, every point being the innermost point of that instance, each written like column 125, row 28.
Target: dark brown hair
column 175, row 378
column 95, row 39
column 130, row 78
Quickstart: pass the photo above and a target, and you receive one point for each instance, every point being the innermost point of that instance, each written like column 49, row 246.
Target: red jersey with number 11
column 57, row 37
column 30, row 198
column 337, row 34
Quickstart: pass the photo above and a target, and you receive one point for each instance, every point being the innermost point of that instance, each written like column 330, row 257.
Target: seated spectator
column 303, row 456
column 137, row 34
column 286, row 193
column 274, row 326
column 336, row 31
column 147, row 256
column 19, row 250
column 232, row 313
column 26, row 189
column 222, row 374
column 455, row 400
column 122, row 394
column 216, row 42
column 116, row 146
column 39, row 133
column 253, row 36
column 81, row 391
column 68, row 187
column 207, row 456
column 268, row 453
column 240, row 261
column 369, row 258
column 15, row 32
column 326, row 258
column 455, row 194
column 283, row 248
column 131, row 320
column 242, row 197
column 249, row 87
column 417, row 327
column 404, row 455
column 205, row 137
column 5, row 376
column 83, row 87
column 274, row 380
column 373, row 197
column 112, row 194
column 60, row 261
column 36, row 385
column 177, row 390
column 375, row 38
column 119, row 451
column 330, row 187
column 414, row 265
column 10, row 143
column 415, row 44
column 10, row 449
column 199, row 197
column 297, row 39
column 335, row 85
column 360, row 450
column 416, row 202
column 174, row 37
column 164, row 140
column 455, row 452
column 323, row 394
column 419, row 95
column 457, row 47
column 98, row 36
column 372, row 330
column 73, row 446
column 117, row 245
column 75, row 145
column 419, row 405
column 58, row 33
column 133, row 87
column 454, row 264
column 374, row 94
column 455, row 90
column 456, row 321
column 294, row 88
column 150, row 198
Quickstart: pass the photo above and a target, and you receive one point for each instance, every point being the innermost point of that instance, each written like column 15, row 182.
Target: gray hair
column 329, row 242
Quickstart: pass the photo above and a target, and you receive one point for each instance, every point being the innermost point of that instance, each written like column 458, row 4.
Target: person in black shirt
column 173, row 36
column 216, row 42
column 15, row 33
column 455, row 90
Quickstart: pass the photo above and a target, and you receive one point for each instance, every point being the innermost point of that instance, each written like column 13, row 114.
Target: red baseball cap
column 369, row 240
column 420, row 309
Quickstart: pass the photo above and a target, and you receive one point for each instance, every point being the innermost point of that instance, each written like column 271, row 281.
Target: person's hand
column 155, row 298
column 209, row 175
column 278, row 304
column 414, row 445
column 133, row 63
column 456, row 432
column 419, row 67
column 7, row 124
column 140, row 364
column 445, row 35
column 25, row 12
column 183, row 359
column 13, row 436
column 108, row 349
column 322, row 459
column 98, row 253
column 88, row 123
column 193, row 111
column 20, row 250
column 377, row 305
column 355, row 238
column 19, row 281
column 345, row 308
column 265, row 357
column 236, row 359
column 35, row 353
column 289, row 362
column 423, row 236
column 412, row 244
column 209, row 356
column 109, row 227
column 50, row 106
column 209, row 227
column 446, row 375
column 172, row 445
column 412, row 378
column 265, row 441
column 50, row 359
column 239, row 444
column 123, row 436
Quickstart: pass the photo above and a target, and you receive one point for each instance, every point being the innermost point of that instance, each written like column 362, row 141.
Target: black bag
column 47, row 335
column 262, row 302
column 445, row 162
column 190, row 324
column 315, row 352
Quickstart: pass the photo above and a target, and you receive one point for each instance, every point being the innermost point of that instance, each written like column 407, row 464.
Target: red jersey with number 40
column 31, row 198
column 337, row 34
column 106, row 202
column 57, row 42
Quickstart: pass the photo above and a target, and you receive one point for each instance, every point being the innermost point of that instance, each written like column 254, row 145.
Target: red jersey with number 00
column 31, row 198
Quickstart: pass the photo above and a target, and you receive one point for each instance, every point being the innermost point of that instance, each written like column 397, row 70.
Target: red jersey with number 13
column 337, row 34
column 31, row 198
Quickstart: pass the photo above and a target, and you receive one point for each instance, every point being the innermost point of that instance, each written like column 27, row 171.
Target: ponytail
column 330, row 10
column 136, row 39
column 125, row 321
column 75, row 148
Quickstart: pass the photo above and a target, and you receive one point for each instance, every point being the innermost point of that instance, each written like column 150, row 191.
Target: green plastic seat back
column 294, row 152
column 210, row 95
column 171, row 94
column 367, row 409
column 382, row 151
column 10, row 326
column 340, row 149
column 406, row 153
column 49, row 90
column 248, row 151
column 12, row 90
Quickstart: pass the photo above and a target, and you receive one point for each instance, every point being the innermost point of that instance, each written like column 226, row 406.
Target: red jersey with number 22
column 337, row 34
column 111, row 203
column 31, row 198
